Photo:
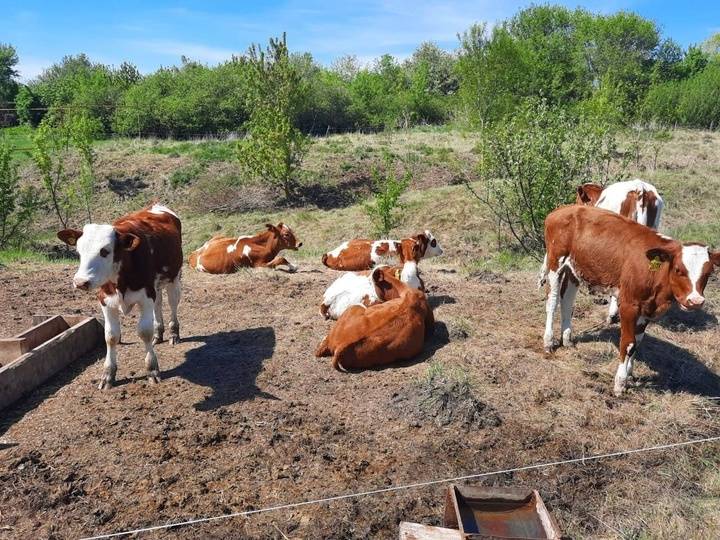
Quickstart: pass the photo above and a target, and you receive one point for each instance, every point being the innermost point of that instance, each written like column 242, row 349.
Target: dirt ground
column 246, row 417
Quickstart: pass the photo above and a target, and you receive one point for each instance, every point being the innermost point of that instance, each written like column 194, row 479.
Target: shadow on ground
column 678, row 370
column 228, row 363
column 678, row 320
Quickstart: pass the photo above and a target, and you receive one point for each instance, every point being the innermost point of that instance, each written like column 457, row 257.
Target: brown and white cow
column 648, row 271
column 362, row 254
column 355, row 288
column 224, row 255
column 129, row 263
column 383, row 333
column 634, row 199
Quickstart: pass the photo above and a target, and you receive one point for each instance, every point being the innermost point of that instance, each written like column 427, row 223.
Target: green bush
column 385, row 208
column 531, row 163
column 17, row 205
column 185, row 175
column 274, row 148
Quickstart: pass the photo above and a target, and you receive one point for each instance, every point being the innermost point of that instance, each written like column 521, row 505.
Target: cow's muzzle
column 81, row 283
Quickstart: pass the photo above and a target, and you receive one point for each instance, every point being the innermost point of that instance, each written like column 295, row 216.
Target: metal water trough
column 32, row 357
column 483, row 513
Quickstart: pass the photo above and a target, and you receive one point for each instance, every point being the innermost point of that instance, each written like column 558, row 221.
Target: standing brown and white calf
column 129, row 263
column 360, row 254
column 224, row 255
column 647, row 270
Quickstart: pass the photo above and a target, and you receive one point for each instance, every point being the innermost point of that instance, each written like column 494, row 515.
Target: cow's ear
column 128, row 241
column 69, row 236
column 715, row 257
column 582, row 196
column 271, row 227
column 663, row 255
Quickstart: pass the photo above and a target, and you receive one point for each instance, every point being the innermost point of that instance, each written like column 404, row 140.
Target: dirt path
column 246, row 417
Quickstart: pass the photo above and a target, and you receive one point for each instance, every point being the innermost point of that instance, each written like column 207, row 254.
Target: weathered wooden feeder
column 32, row 357
column 483, row 513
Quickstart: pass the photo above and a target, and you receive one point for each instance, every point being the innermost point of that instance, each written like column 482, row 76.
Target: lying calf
column 359, row 288
column 222, row 255
column 361, row 254
column 382, row 333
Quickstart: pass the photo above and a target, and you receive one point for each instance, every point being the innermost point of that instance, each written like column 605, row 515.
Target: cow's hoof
column 105, row 384
column 154, row 378
column 174, row 340
column 611, row 319
column 549, row 351
column 156, row 340
column 292, row 269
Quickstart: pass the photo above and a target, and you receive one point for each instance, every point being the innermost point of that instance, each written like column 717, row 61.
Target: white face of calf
column 690, row 269
column 96, row 245
column 433, row 247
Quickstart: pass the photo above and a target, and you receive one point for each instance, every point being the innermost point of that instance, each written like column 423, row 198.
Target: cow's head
column 100, row 248
column 286, row 236
column 429, row 246
column 386, row 280
column 588, row 194
column 690, row 268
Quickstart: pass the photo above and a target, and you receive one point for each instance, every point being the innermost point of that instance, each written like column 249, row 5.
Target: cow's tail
column 324, row 310
column 192, row 260
column 542, row 276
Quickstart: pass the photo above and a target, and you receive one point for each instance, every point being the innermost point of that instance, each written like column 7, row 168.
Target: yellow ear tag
column 397, row 274
column 655, row 264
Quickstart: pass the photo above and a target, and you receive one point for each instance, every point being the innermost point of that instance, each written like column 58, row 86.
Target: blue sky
column 152, row 34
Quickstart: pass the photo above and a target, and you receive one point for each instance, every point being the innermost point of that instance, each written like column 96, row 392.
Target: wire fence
column 582, row 460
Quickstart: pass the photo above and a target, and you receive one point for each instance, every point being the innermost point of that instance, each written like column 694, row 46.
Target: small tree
column 532, row 163
column 54, row 146
column 273, row 148
column 17, row 205
column 385, row 209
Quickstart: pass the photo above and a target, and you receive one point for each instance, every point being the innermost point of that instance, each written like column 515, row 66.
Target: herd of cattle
column 608, row 240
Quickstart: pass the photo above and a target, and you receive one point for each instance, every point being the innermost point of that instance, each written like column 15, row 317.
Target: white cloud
column 176, row 49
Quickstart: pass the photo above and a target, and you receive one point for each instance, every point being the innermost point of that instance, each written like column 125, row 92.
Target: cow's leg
column 612, row 310
column 628, row 347
column 282, row 261
column 112, row 338
column 173, row 293
column 145, row 331
column 640, row 327
column 568, row 293
column 158, row 325
column 553, row 280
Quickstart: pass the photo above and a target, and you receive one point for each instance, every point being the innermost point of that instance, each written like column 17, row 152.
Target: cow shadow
column 678, row 370
column 678, row 320
column 440, row 300
column 228, row 363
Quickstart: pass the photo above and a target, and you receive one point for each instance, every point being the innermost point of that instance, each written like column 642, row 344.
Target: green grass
column 203, row 151
column 20, row 140
column 15, row 256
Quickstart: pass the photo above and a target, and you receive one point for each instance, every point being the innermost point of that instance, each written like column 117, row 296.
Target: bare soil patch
column 246, row 417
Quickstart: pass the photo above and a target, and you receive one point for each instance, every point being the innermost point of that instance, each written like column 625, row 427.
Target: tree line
column 618, row 66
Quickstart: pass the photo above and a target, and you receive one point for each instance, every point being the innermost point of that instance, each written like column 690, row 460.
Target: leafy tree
column 17, row 205
column 8, row 73
column 668, row 62
column 55, row 147
column 532, row 162
column 273, row 148
column 438, row 67
column 385, row 208
column 27, row 105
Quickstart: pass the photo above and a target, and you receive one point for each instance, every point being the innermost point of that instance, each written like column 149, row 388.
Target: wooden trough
column 32, row 357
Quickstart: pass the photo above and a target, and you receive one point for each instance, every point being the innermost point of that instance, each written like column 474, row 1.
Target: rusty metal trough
column 480, row 512
column 32, row 357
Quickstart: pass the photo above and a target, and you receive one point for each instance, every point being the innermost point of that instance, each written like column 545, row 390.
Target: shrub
column 17, row 205
column 532, row 163
column 385, row 208
column 54, row 147
column 274, row 148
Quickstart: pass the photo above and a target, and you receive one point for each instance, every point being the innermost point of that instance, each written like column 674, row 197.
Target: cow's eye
column 678, row 271
column 104, row 252
column 433, row 243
